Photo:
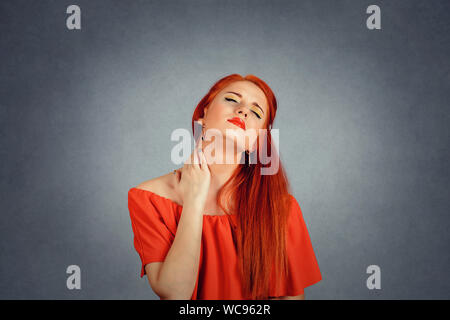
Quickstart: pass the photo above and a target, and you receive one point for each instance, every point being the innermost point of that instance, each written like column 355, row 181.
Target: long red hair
column 260, row 202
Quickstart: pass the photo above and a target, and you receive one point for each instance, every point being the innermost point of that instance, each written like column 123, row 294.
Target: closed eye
column 229, row 99
column 256, row 114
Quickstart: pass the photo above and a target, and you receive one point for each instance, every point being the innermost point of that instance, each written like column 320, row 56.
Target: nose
column 243, row 111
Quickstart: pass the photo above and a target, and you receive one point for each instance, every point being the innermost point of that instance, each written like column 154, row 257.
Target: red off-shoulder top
column 154, row 221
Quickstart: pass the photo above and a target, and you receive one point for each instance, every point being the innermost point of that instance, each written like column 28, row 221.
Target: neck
column 220, row 172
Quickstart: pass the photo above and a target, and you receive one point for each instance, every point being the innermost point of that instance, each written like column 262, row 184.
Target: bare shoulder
column 164, row 186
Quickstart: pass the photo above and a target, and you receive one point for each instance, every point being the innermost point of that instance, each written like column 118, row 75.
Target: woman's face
column 241, row 99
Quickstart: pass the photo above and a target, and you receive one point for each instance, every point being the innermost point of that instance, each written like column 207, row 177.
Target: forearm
column 178, row 274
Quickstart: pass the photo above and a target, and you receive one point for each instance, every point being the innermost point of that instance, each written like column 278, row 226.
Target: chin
column 232, row 134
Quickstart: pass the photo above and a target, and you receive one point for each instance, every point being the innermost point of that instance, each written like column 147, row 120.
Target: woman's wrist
column 194, row 204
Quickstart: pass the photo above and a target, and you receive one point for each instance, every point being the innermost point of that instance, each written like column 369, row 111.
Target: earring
column 203, row 127
column 248, row 156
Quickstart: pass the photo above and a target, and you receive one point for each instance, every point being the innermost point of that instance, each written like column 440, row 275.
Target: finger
column 196, row 161
column 199, row 141
column 204, row 162
column 200, row 158
column 199, row 138
column 189, row 160
column 199, row 148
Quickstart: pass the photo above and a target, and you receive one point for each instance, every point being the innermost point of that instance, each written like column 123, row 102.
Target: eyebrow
column 240, row 96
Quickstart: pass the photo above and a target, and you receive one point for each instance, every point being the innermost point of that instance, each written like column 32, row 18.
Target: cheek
column 220, row 112
column 216, row 116
column 225, row 107
column 256, row 124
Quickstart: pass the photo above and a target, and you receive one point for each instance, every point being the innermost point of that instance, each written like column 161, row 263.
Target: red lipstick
column 238, row 122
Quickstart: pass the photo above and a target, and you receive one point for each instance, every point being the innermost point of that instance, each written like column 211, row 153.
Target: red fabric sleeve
column 302, row 263
column 154, row 230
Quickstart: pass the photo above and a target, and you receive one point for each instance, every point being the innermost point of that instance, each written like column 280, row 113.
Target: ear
column 200, row 120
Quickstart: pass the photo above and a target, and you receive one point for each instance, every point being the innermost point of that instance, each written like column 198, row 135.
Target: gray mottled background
column 87, row 114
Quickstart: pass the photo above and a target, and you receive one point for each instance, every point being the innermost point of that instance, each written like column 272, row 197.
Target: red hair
column 260, row 202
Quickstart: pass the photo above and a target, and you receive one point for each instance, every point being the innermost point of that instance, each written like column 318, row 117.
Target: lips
column 238, row 122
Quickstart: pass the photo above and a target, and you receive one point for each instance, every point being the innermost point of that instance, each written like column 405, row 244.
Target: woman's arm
column 178, row 274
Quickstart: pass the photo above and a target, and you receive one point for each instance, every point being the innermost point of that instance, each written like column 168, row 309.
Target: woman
column 222, row 229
